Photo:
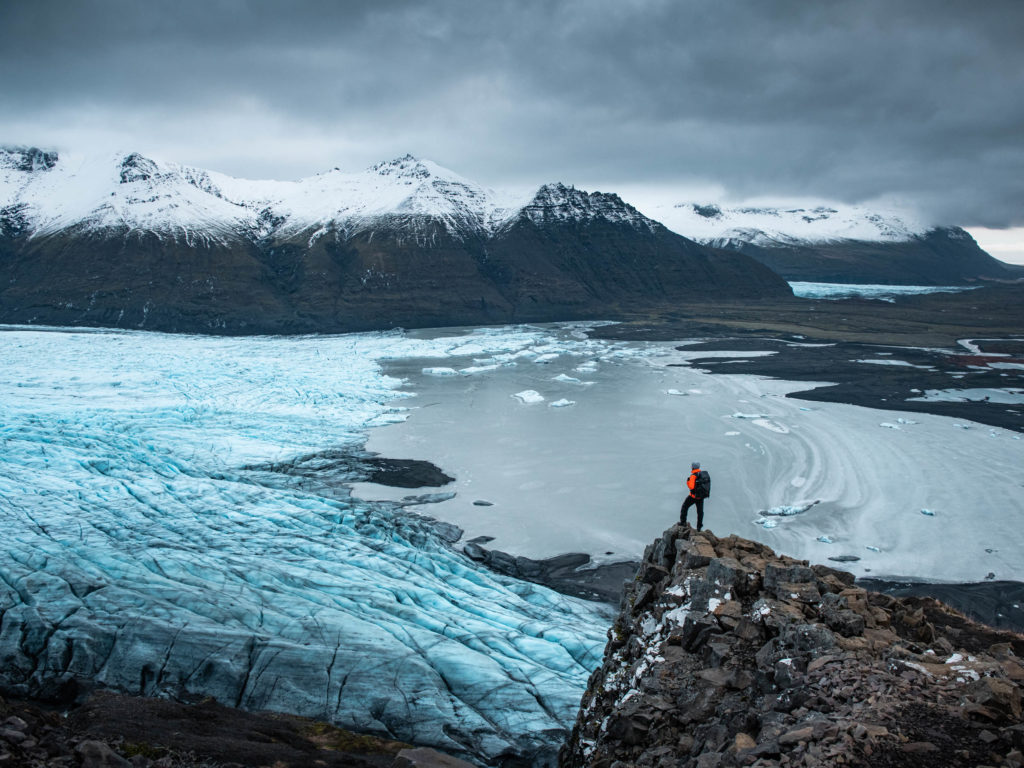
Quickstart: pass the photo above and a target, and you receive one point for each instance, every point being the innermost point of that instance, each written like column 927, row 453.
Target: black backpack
column 702, row 485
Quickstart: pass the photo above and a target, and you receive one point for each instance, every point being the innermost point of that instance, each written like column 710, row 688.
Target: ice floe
column 529, row 396
column 788, row 510
column 900, row 363
column 563, row 403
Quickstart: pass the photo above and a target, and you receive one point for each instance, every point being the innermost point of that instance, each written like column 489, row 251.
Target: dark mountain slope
column 941, row 256
column 567, row 255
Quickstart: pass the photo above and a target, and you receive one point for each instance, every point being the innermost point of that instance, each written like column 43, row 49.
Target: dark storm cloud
column 846, row 100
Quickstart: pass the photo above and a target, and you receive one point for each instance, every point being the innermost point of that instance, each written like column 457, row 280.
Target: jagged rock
column 1002, row 695
column 758, row 659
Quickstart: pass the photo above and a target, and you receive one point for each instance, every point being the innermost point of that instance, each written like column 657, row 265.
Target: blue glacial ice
column 808, row 290
column 141, row 554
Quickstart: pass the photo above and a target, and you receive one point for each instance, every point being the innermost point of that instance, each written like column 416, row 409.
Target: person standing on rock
column 699, row 483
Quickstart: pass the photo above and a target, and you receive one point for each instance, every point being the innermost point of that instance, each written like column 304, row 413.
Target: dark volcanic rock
column 571, row 573
column 114, row 731
column 726, row 654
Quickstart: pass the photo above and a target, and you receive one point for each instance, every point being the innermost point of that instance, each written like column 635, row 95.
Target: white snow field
column 138, row 553
column 773, row 224
column 147, row 545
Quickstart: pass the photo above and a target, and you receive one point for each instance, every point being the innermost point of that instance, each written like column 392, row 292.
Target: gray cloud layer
column 852, row 101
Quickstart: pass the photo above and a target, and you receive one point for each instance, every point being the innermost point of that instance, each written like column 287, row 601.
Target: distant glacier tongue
column 139, row 553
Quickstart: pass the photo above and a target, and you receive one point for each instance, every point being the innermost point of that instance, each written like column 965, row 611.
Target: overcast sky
column 920, row 103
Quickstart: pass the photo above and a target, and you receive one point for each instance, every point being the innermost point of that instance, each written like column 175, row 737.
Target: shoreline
column 997, row 604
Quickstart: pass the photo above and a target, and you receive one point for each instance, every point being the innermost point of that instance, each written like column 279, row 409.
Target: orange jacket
column 691, row 481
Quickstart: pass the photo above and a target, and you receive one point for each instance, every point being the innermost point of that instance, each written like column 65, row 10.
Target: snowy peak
column 26, row 159
column 560, row 203
column 714, row 224
column 135, row 167
column 405, row 167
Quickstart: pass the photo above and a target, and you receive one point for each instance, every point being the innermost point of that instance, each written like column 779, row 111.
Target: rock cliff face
column 726, row 654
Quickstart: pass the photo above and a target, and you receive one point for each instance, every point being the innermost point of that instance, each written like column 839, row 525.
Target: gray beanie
column 695, row 465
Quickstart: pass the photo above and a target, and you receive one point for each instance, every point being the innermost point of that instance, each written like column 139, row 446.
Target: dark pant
column 690, row 501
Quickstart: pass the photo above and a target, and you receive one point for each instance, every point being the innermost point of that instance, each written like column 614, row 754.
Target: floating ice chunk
column 563, row 379
column 440, row 371
column 900, row 363
column 772, row 426
column 478, row 369
column 586, row 368
column 766, row 523
column 731, row 434
column 563, row 403
column 825, row 539
column 928, row 512
column 546, row 358
column 901, row 420
column 872, row 549
column 675, row 392
column 889, row 425
column 806, row 409
column 739, row 415
column 695, row 391
column 789, row 510
column 529, row 396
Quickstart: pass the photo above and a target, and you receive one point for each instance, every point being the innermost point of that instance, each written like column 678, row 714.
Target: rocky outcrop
column 726, row 654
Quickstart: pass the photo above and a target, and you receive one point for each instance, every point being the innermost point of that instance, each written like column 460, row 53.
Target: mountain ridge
column 131, row 242
column 840, row 243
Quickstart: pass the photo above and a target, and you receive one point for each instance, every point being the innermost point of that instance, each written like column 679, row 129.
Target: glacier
column 148, row 548
column 807, row 290
column 154, row 544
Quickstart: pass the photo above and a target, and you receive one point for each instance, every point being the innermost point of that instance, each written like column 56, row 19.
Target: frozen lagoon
column 143, row 551
column 604, row 476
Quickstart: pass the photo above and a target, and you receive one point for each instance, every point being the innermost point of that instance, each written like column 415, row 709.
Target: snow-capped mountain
column 837, row 243
column 762, row 225
column 128, row 190
column 127, row 240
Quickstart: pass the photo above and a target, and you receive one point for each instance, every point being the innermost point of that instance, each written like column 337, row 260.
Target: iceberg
column 529, row 396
